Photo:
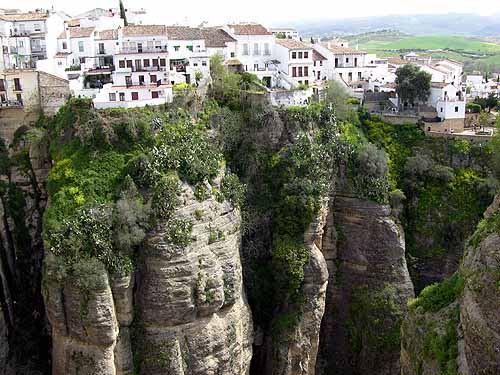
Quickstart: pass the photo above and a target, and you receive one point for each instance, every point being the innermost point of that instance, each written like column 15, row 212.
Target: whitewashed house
column 254, row 50
column 448, row 100
column 219, row 42
column 141, row 75
column 187, row 54
column 295, row 61
column 29, row 37
column 319, row 65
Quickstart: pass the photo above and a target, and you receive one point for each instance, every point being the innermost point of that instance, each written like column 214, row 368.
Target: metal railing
column 143, row 50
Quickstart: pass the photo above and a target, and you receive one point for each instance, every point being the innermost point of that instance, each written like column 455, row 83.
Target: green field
column 476, row 54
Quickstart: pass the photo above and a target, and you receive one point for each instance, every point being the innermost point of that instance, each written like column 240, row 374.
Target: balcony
column 129, row 84
column 12, row 104
column 128, row 51
column 38, row 49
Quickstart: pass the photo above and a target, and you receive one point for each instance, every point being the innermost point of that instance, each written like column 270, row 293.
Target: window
column 141, row 80
column 38, row 28
column 177, row 48
column 267, row 51
column 204, row 63
column 129, row 63
column 359, row 76
column 245, row 49
column 300, row 55
column 441, row 109
column 155, row 62
column 64, row 45
column 294, row 55
column 195, row 64
column 153, row 78
column 19, row 98
column 81, row 47
column 300, row 71
column 82, row 60
column 145, row 62
column 306, row 55
column 2, row 85
column 255, row 67
column 232, row 54
column 321, row 63
column 163, row 62
column 21, row 44
column 256, row 51
column 121, row 64
column 122, row 96
column 347, row 60
column 112, row 97
column 306, row 71
column 17, row 84
column 306, row 82
column 154, row 94
column 456, row 109
column 135, row 96
column 294, row 72
column 190, row 48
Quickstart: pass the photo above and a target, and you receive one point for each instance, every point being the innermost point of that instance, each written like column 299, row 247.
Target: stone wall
column 54, row 92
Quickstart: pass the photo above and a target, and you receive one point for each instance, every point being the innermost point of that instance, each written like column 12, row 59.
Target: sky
column 269, row 12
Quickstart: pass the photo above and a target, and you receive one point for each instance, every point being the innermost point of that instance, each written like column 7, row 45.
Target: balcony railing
column 162, row 49
column 157, row 83
column 12, row 103
column 38, row 49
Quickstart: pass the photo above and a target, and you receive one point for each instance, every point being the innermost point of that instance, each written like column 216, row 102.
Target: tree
column 312, row 40
column 337, row 95
column 491, row 101
column 123, row 15
column 412, row 84
column 280, row 35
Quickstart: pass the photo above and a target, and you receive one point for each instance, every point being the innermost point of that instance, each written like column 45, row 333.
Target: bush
column 438, row 295
column 165, row 196
column 473, row 107
column 372, row 161
column 178, row 232
column 233, row 190
column 90, row 275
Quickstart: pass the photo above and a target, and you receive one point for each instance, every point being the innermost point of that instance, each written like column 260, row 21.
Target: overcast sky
column 270, row 12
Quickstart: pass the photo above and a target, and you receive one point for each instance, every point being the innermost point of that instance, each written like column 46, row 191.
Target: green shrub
column 233, row 190
column 165, row 196
column 438, row 295
column 89, row 275
column 178, row 232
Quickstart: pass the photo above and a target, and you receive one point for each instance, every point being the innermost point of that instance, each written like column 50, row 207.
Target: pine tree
column 122, row 13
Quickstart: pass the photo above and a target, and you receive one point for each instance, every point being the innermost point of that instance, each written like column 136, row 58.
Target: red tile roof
column 110, row 34
column 31, row 16
column 249, row 29
column 216, row 37
column 77, row 32
column 292, row 44
column 145, row 30
column 318, row 56
column 342, row 50
column 184, row 33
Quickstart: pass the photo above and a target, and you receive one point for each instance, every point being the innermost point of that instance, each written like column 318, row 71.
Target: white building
column 29, row 37
column 219, row 42
column 286, row 32
column 141, row 75
column 448, row 100
column 187, row 53
column 295, row 60
column 254, row 49
column 319, row 65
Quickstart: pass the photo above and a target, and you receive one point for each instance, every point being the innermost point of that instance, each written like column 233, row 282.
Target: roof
column 233, row 62
column 292, row 44
column 439, row 85
column 216, row 37
column 342, row 50
column 31, row 16
column 184, row 33
column 144, row 30
column 318, row 56
column 397, row 61
column 110, row 34
column 249, row 29
column 75, row 22
column 77, row 32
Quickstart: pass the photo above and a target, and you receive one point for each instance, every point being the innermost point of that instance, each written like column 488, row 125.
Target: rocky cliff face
column 368, row 288
column 454, row 326
column 183, row 312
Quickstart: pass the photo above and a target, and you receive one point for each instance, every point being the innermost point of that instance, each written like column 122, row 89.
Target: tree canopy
column 413, row 84
column 123, row 15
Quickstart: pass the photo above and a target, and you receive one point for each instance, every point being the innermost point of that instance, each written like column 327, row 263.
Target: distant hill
column 434, row 24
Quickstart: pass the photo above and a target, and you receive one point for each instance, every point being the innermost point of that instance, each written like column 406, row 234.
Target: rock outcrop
column 368, row 289
column 183, row 312
column 464, row 334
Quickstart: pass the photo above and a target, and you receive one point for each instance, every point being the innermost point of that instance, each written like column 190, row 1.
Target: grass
column 475, row 53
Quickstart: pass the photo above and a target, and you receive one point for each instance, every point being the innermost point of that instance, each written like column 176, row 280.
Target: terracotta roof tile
column 75, row 22
column 318, row 56
column 216, row 37
column 32, row 16
column 342, row 50
column 292, row 44
column 77, row 32
column 184, row 33
column 110, row 34
column 249, row 29
column 145, row 30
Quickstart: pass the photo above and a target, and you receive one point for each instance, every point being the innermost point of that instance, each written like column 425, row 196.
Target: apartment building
column 254, row 50
column 187, row 54
column 141, row 75
column 295, row 60
column 29, row 37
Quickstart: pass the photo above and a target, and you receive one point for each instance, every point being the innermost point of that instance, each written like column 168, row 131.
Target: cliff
column 183, row 310
column 367, row 291
column 453, row 326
